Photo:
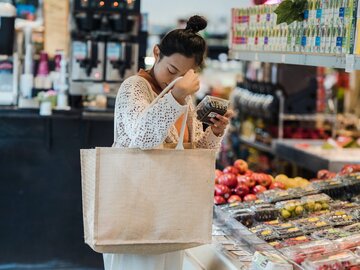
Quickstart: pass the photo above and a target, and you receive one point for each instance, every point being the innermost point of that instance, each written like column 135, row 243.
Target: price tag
column 349, row 63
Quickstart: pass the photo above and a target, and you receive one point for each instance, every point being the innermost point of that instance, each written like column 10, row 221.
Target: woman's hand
column 221, row 122
column 186, row 86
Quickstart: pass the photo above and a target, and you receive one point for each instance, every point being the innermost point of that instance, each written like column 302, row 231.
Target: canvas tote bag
column 147, row 201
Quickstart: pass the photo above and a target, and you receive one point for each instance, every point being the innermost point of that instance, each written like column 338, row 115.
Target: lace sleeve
column 149, row 130
column 206, row 139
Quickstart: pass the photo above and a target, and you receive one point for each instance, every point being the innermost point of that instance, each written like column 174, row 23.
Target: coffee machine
column 8, row 59
column 106, row 42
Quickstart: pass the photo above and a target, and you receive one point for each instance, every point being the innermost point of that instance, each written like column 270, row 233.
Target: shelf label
column 350, row 62
column 283, row 58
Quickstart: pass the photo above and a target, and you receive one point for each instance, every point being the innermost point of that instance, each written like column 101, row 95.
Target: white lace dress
column 146, row 132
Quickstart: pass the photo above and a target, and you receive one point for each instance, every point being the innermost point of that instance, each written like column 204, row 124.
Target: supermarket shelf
column 259, row 146
column 309, row 154
column 325, row 60
column 308, row 117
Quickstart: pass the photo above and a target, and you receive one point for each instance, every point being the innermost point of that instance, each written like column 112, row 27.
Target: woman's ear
column 156, row 52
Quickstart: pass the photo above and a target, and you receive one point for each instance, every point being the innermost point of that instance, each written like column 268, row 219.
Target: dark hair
column 186, row 41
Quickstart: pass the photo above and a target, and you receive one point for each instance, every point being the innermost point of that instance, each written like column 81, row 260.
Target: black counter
column 40, row 193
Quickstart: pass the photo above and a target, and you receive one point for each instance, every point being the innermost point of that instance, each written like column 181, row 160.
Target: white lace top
column 157, row 125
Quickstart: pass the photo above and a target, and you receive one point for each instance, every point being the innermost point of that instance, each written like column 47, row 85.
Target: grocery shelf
column 324, row 60
column 257, row 145
column 308, row 117
column 310, row 155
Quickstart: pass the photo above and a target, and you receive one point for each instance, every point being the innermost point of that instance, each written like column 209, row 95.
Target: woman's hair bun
column 196, row 23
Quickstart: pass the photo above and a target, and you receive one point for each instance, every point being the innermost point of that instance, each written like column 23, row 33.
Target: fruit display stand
column 310, row 154
column 298, row 228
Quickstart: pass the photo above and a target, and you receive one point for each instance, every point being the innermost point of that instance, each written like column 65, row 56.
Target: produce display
column 314, row 226
column 238, row 183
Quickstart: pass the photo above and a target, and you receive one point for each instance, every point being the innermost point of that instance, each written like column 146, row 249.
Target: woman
column 179, row 53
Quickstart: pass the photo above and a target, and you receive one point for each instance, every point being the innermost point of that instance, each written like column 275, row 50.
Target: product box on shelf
column 311, row 224
column 329, row 27
column 332, row 187
column 265, row 212
column 317, row 202
column 265, row 232
column 300, row 252
column 330, row 234
column 337, row 260
column 277, row 195
column 245, row 216
column 290, row 209
column 339, row 218
column 349, row 242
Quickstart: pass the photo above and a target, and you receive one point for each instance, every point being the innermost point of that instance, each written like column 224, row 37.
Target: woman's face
column 170, row 67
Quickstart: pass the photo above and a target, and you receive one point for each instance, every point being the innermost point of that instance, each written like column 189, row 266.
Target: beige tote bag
column 147, row 201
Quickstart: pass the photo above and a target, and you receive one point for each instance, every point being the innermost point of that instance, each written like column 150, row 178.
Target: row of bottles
column 330, row 31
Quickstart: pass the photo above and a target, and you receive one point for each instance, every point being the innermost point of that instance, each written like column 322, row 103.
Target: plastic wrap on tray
column 209, row 107
column 311, row 224
column 300, row 252
column 354, row 228
column 332, row 187
column 304, row 191
column 339, row 218
column 330, row 234
column 285, row 229
column 355, row 213
column 245, row 216
column 290, row 232
column 277, row 195
column 265, row 212
column 277, row 244
column 290, row 209
column 296, row 240
column 340, row 260
column 341, row 205
column 265, row 232
column 352, row 183
column 317, row 202
column 348, row 242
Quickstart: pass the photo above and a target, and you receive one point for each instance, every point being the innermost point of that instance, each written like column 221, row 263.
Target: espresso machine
column 106, row 42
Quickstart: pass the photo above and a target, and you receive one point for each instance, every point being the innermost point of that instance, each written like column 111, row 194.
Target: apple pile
column 237, row 183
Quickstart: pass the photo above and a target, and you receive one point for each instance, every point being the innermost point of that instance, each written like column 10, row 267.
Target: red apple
column 241, row 165
column 230, row 169
column 350, row 168
column 259, row 189
column 218, row 173
column 228, row 179
column 242, row 190
column 222, row 190
column 234, row 198
column 262, row 179
column 250, row 197
column 323, row 174
column 246, row 180
column 219, row 200
column 249, row 173
column 277, row 185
